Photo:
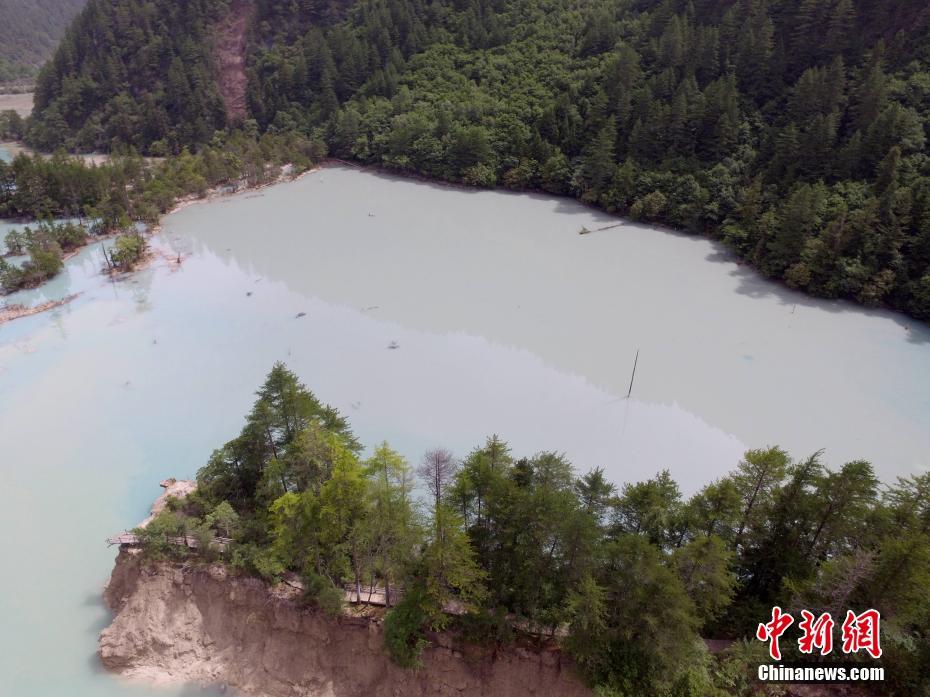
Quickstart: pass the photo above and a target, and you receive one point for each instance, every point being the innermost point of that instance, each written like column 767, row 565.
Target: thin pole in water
column 633, row 376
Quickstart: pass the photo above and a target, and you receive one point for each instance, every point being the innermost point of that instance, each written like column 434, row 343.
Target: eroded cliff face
column 178, row 624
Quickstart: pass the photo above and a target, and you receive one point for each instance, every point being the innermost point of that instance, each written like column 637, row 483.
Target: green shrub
column 735, row 670
column 16, row 242
column 11, row 277
column 650, row 207
column 69, row 235
column 127, row 250
column 203, row 533
column 154, row 537
column 403, row 628
column 252, row 559
column 479, row 175
column 44, row 262
column 487, row 627
column 320, row 591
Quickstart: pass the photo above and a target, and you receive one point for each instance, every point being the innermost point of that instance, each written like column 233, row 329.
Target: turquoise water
column 506, row 320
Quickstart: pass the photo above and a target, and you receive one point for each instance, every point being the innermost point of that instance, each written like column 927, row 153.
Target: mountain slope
column 29, row 32
column 795, row 130
column 132, row 72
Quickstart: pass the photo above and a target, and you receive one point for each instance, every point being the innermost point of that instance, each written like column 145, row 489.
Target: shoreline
column 219, row 193
column 801, row 297
column 9, row 313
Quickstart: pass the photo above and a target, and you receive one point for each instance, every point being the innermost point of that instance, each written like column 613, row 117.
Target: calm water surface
column 506, row 321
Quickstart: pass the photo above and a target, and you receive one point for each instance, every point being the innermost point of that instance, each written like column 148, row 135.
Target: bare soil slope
column 183, row 625
column 231, row 44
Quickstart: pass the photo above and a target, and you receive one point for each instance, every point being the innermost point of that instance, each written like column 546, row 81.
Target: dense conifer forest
column 793, row 130
column 503, row 547
column 29, row 33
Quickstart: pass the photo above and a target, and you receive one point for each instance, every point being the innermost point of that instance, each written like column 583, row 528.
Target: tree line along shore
column 72, row 202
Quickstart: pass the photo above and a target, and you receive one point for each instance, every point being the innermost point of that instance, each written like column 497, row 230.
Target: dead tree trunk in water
column 633, row 376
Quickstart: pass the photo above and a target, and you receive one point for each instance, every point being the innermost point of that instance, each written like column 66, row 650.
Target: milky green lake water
column 506, row 320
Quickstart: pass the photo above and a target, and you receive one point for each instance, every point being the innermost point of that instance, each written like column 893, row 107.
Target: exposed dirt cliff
column 176, row 624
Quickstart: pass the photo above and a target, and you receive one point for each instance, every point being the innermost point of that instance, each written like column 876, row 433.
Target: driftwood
column 586, row 231
column 10, row 312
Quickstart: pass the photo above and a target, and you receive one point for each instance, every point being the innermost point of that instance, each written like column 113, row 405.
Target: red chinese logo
column 817, row 634
column 771, row 631
column 860, row 632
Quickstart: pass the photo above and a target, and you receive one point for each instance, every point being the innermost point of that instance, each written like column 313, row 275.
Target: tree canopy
column 500, row 546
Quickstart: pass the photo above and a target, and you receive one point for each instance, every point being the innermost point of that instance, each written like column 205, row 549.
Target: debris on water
column 301, row 314
column 584, row 231
column 393, row 345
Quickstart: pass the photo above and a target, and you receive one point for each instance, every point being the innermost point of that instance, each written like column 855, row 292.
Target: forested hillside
column 29, row 32
column 794, row 130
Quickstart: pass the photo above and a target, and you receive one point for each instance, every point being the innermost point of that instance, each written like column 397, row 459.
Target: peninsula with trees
column 497, row 552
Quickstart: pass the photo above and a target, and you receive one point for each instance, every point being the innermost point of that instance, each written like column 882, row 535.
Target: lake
column 504, row 318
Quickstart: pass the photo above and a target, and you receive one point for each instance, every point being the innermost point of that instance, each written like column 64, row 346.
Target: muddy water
column 503, row 320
